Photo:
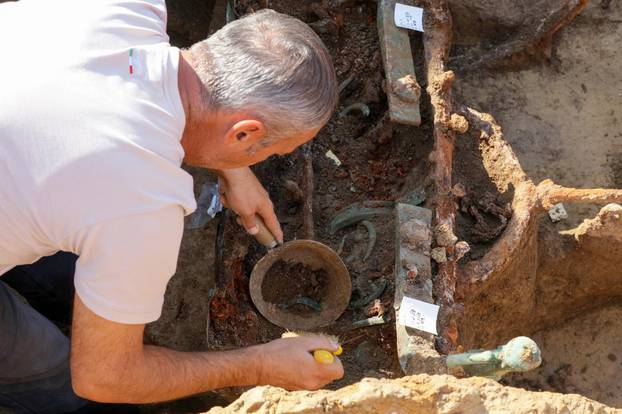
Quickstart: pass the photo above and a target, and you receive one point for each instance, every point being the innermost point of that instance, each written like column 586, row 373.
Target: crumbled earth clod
column 439, row 254
column 444, row 235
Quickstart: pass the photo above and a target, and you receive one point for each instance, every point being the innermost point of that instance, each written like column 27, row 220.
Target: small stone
column 294, row 191
column 411, row 269
column 416, row 235
column 331, row 156
column 460, row 249
column 376, row 308
column 444, row 235
column 458, row 123
column 407, row 89
column 558, row 213
column 439, row 254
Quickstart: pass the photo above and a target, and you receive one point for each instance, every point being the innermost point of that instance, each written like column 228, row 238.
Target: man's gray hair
column 273, row 66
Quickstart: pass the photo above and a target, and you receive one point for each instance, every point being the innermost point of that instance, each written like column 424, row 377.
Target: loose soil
column 285, row 283
column 582, row 355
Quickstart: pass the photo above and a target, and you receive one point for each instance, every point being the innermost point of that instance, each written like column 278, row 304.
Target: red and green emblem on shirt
column 131, row 61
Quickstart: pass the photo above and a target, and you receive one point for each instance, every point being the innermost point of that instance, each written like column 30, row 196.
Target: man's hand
column 288, row 363
column 109, row 363
column 242, row 192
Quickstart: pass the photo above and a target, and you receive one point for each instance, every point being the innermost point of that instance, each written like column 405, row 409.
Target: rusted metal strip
column 309, row 188
column 413, row 278
column 550, row 194
column 437, row 42
column 402, row 89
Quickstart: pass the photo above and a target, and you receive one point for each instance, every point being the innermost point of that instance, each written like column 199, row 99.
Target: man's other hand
column 289, row 363
column 242, row 192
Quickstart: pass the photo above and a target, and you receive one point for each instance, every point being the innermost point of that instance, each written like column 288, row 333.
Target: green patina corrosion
column 403, row 92
column 519, row 355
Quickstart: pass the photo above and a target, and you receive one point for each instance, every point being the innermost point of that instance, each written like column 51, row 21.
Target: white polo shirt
column 90, row 127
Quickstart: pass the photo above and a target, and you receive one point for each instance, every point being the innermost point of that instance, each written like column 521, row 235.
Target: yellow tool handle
column 325, row 357
column 264, row 236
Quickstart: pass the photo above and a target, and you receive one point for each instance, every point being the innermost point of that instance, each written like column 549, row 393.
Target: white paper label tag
column 419, row 315
column 408, row 17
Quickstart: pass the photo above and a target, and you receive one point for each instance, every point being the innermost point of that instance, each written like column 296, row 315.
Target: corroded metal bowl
column 317, row 256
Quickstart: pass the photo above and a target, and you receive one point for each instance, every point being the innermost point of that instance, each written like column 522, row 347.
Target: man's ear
column 245, row 134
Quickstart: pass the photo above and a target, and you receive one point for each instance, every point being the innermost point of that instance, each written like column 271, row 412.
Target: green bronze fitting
column 359, row 211
column 518, row 355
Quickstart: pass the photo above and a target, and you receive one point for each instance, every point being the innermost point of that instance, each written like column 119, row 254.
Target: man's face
column 235, row 158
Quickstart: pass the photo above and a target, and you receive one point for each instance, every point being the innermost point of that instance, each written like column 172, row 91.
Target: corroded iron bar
column 402, row 89
column 308, row 225
column 550, row 194
column 437, row 39
column 528, row 42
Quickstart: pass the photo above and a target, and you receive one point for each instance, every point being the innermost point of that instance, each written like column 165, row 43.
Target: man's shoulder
column 91, row 26
column 127, row 23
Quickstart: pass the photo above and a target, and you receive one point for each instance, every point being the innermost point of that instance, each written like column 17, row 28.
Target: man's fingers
column 325, row 372
column 223, row 201
column 334, row 371
column 311, row 343
column 271, row 221
column 249, row 223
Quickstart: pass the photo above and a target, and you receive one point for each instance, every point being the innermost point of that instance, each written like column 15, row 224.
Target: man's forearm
column 110, row 363
column 160, row 374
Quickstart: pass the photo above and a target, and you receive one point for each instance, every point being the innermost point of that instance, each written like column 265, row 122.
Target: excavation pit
column 560, row 287
column 558, row 283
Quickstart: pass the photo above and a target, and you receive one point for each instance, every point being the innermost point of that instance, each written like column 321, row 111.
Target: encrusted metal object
column 413, row 278
column 316, row 256
column 359, row 211
column 402, row 89
column 519, row 355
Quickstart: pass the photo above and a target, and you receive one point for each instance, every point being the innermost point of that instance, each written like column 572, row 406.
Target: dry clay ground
column 562, row 119
column 564, row 122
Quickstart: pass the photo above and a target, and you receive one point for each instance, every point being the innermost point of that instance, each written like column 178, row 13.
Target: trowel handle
column 264, row 236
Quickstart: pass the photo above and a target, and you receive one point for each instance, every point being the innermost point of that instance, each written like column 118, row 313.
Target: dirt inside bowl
column 295, row 287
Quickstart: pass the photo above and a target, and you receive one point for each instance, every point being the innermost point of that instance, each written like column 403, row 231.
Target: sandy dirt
column 421, row 394
column 580, row 356
column 563, row 118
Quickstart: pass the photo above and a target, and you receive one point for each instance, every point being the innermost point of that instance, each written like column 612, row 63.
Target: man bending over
column 97, row 113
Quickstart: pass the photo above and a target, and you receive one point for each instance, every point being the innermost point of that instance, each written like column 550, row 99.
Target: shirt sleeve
column 126, row 263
